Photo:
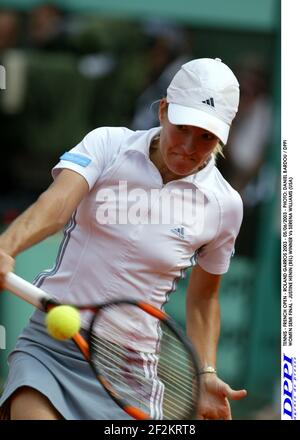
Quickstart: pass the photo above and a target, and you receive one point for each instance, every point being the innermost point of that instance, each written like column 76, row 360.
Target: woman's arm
column 203, row 328
column 47, row 215
column 203, row 314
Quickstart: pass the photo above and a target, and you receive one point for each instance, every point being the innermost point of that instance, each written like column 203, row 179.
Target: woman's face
column 184, row 148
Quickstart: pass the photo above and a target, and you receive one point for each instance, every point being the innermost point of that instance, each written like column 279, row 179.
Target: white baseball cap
column 204, row 93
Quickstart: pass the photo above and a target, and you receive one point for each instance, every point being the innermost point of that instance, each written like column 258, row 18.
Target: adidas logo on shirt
column 210, row 102
column 178, row 231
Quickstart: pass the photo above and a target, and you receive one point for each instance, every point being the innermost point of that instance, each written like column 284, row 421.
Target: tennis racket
column 152, row 374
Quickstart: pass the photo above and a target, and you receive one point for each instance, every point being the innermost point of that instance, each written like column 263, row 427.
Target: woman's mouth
column 184, row 157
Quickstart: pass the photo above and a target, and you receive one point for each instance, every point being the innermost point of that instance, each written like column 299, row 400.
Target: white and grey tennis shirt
column 117, row 244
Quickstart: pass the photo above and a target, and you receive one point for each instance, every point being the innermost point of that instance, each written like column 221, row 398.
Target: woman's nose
column 189, row 145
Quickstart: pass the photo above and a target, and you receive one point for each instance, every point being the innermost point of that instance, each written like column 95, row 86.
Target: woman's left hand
column 214, row 395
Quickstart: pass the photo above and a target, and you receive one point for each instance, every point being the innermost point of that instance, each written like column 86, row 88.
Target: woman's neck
column 157, row 159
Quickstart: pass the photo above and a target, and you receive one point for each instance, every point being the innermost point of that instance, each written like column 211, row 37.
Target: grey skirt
column 59, row 371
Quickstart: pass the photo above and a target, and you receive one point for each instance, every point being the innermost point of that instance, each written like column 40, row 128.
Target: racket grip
column 27, row 291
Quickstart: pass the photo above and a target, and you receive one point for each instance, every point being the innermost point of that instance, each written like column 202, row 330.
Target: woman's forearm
column 203, row 328
column 203, row 314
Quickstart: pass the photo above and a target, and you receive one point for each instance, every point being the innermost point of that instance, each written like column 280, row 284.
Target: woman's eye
column 182, row 127
column 208, row 136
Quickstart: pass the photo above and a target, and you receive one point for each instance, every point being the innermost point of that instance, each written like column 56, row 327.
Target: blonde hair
column 218, row 150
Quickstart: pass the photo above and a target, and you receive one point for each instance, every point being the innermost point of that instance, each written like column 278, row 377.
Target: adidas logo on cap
column 210, row 102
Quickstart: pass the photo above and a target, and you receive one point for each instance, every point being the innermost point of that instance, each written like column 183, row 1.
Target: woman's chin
column 181, row 170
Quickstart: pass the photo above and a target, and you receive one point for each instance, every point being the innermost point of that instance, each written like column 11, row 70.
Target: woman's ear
column 162, row 112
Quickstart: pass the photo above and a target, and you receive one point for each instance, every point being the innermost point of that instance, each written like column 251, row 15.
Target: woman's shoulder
column 228, row 198
column 228, row 203
column 111, row 133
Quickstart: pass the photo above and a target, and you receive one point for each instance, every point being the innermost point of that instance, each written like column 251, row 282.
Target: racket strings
column 108, row 361
column 161, row 383
column 164, row 367
column 177, row 370
column 139, row 398
column 116, row 377
column 116, row 351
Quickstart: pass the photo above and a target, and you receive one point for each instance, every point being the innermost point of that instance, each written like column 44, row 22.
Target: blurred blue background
column 75, row 65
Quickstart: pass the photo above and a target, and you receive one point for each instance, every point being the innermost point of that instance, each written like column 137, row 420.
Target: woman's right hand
column 7, row 264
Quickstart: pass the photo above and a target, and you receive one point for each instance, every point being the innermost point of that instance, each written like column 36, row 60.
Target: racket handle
column 27, row 291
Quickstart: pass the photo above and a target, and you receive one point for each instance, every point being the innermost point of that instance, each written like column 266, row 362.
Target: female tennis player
column 138, row 209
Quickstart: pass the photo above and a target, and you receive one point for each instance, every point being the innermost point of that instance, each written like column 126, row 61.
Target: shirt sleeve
column 215, row 256
column 93, row 155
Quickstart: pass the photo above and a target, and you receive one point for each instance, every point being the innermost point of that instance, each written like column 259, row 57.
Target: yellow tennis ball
column 63, row 322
